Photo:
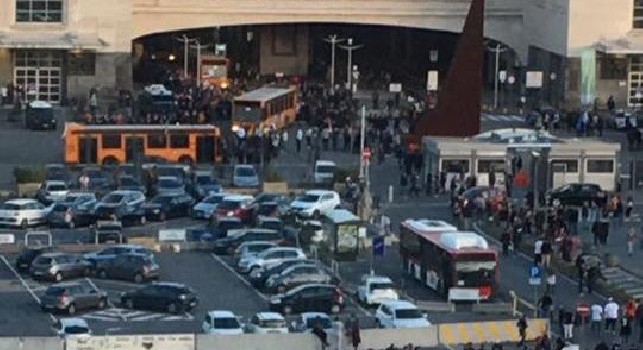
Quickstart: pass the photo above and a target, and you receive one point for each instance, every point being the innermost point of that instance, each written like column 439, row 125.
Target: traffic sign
column 378, row 245
column 521, row 179
column 367, row 153
column 534, row 275
column 582, row 309
column 7, row 238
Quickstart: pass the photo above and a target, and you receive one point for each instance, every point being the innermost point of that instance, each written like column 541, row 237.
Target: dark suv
column 27, row 256
column 228, row 244
column 135, row 267
column 163, row 296
column 71, row 297
column 309, row 297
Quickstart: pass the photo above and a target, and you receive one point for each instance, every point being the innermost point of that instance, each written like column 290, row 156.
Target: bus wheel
column 185, row 159
column 109, row 160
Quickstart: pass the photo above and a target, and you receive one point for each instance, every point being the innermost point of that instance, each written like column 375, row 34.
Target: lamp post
column 333, row 40
column 498, row 49
column 536, row 156
column 198, row 48
column 350, row 48
column 186, row 53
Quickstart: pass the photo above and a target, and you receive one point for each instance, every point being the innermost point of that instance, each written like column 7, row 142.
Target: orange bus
column 265, row 107
column 123, row 143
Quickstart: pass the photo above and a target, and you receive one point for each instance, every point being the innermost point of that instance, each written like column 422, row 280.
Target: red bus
column 459, row 265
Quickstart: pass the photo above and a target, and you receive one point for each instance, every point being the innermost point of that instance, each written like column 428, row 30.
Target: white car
column 245, row 176
column 324, row 171
column 400, row 314
column 251, row 249
column 314, row 203
column 205, row 208
column 52, row 191
column 307, row 321
column 22, row 213
column 376, row 290
column 270, row 256
column 221, row 322
column 267, row 323
column 72, row 327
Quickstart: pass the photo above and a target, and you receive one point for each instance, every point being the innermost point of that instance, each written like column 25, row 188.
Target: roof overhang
column 43, row 40
column 630, row 45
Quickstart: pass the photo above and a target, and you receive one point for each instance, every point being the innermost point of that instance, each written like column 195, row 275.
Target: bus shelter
column 344, row 230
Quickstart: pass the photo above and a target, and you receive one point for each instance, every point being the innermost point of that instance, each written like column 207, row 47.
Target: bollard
column 390, row 193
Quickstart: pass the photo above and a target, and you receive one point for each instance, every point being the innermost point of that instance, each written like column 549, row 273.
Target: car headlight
column 275, row 301
column 255, row 274
column 156, row 211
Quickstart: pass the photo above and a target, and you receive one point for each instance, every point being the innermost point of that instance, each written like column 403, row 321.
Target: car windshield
column 128, row 181
column 54, row 290
column 59, row 207
column 56, row 188
column 381, row 286
column 245, row 172
column 76, row 330
column 10, row 206
column 324, row 322
column 113, row 198
column 161, row 200
column 70, row 199
column 325, row 169
column 92, row 174
column 272, row 323
column 309, row 198
column 258, row 248
column 408, row 313
column 205, row 180
column 272, row 225
column 226, row 323
column 230, row 225
column 213, row 200
column 227, row 205
column 43, row 261
column 265, row 197
column 169, row 183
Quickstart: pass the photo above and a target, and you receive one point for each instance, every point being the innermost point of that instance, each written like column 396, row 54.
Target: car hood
column 383, row 294
column 152, row 206
column 205, row 206
column 301, row 205
column 210, row 188
column 108, row 205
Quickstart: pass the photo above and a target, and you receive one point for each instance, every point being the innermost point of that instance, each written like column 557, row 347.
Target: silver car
column 245, row 176
column 59, row 266
column 170, row 185
column 71, row 297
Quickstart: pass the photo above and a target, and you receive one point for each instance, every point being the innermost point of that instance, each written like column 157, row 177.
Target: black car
column 166, row 206
column 226, row 224
column 576, row 194
column 258, row 277
column 28, row 255
column 163, row 296
column 228, row 244
column 308, row 298
column 136, row 267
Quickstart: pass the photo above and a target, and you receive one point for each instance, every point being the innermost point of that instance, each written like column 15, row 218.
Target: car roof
column 269, row 315
column 220, row 194
column 168, row 284
column 324, row 162
column 244, row 166
column 73, row 321
column 55, row 182
column 249, row 243
column 202, row 173
column 228, row 219
column 20, row 201
column 221, row 314
column 313, row 314
column 399, row 304
column 319, row 192
column 238, row 198
column 128, row 246
column 53, row 254
column 168, row 178
column 80, row 193
column 125, row 192
column 64, row 284
column 378, row 279
column 268, row 219
column 308, row 285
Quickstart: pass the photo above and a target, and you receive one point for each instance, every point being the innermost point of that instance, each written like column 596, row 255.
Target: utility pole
column 497, row 50
column 349, row 67
column 333, row 40
column 198, row 48
column 186, row 53
column 364, row 173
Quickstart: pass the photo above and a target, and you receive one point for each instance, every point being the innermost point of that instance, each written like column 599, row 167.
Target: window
column 455, row 165
column 39, row 10
column 638, row 14
column 600, row 166
column 156, row 141
column 83, row 64
column 179, row 141
column 487, row 165
column 613, row 68
column 564, row 166
column 112, row 141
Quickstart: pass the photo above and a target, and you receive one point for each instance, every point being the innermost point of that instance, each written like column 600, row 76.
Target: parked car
column 72, row 327
column 315, row 203
column 240, row 206
column 59, row 266
column 52, row 191
column 22, row 213
column 376, row 289
column 124, row 206
column 227, row 225
column 203, row 185
column 271, row 197
column 267, row 323
column 136, row 267
column 166, row 206
column 312, row 231
column 245, row 176
column 577, row 194
column 207, row 207
column 400, row 314
column 272, row 204
column 250, row 249
column 71, row 297
column 98, row 178
column 110, row 253
column 108, row 232
column 73, row 211
column 27, row 256
column 258, row 277
column 221, row 322
column 306, row 321
column 170, row 185
column 324, row 171
column 55, row 171
column 170, row 297
column 130, row 183
column 296, row 276
column 309, row 297
column 270, row 256
column 228, row 244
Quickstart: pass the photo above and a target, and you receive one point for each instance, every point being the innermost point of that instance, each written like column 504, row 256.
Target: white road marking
column 245, row 281
column 24, row 283
column 101, row 318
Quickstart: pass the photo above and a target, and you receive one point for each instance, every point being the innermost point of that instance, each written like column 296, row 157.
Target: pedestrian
column 319, row 331
column 626, row 330
column 546, row 251
column 630, row 309
column 561, row 318
column 580, row 272
column 611, row 315
column 631, row 238
column 522, row 329
column 593, row 273
column 354, row 333
column 596, row 311
column 568, row 324
column 545, row 305
column 505, row 239
column 538, row 251
column 639, row 315
column 429, row 183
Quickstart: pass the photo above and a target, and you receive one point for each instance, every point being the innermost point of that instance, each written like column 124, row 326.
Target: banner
column 588, row 77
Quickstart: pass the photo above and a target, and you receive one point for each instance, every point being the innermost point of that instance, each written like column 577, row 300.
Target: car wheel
column 71, row 309
column 129, row 304
column 24, row 224
column 102, row 274
column 287, row 310
column 101, row 304
column 172, row 308
column 138, row 278
column 87, row 272
column 59, row 276
column 162, row 216
column 316, row 214
column 230, row 250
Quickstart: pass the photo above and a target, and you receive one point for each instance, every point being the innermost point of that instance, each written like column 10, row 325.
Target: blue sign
column 534, row 272
column 378, row 245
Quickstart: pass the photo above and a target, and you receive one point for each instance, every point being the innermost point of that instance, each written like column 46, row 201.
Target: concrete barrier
column 275, row 187
column 31, row 343
column 382, row 338
column 258, row 342
column 132, row 342
column 492, row 331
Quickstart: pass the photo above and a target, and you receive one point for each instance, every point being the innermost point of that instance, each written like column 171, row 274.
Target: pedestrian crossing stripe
column 124, row 315
column 493, row 331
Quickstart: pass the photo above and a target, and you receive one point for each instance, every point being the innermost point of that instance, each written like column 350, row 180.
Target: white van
column 324, row 171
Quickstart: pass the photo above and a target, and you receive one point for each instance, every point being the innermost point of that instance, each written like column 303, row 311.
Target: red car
column 240, row 206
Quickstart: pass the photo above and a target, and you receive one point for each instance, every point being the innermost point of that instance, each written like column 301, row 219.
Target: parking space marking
column 93, row 285
column 245, row 281
column 124, row 315
column 24, row 283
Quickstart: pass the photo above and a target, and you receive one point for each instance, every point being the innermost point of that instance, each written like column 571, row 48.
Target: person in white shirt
column 299, row 137
column 597, row 317
column 538, row 245
column 611, row 315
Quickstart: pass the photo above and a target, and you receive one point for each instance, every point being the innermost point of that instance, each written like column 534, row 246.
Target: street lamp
column 333, row 40
column 350, row 48
column 497, row 50
column 186, row 52
column 536, row 156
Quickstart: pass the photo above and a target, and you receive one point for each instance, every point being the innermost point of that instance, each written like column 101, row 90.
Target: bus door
column 87, row 150
column 134, row 145
column 205, row 149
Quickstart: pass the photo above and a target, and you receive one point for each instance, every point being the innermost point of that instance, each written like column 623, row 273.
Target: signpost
column 535, row 274
column 378, row 249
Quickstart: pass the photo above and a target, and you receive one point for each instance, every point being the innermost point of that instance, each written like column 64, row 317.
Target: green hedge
column 25, row 175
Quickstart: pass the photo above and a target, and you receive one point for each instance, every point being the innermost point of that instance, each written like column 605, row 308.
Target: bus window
column 156, row 140
column 564, row 165
column 455, row 166
column 179, row 141
column 111, row 141
column 600, row 166
column 248, row 112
